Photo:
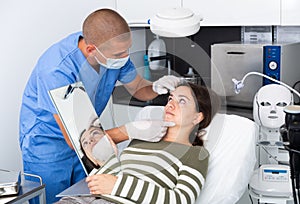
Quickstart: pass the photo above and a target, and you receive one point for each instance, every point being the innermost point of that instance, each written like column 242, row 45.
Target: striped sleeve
column 186, row 189
column 112, row 166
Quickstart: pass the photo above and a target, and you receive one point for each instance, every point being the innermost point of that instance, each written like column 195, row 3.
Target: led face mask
column 103, row 150
column 269, row 103
column 112, row 63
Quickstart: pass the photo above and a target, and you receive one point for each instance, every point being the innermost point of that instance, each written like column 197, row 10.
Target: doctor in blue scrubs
column 98, row 56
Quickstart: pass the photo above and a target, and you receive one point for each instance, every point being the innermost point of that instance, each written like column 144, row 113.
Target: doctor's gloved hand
column 165, row 83
column 147, row 130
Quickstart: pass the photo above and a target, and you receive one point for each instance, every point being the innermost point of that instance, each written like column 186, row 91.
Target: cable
column 297, row 183
column 294, row 87
column 296, row 162
column 295, row 84
column 238, row 85
column 291, row 150
column 269, row 153
column 250, row 195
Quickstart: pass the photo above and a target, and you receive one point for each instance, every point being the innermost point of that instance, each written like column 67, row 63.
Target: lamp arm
column 270, row 78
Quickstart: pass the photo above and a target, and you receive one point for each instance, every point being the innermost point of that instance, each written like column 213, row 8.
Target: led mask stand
column 264, row 184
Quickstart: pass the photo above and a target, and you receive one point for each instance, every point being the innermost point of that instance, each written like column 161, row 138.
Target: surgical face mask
column 112, row 63
column 103, row 150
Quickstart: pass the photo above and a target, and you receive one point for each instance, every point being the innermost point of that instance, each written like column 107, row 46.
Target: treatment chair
column 230, row 140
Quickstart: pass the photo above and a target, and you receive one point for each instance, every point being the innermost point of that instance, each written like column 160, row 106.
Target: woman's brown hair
column 207, row 102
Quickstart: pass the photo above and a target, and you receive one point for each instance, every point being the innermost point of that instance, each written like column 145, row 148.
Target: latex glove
column 165, row 83
column 147, row 130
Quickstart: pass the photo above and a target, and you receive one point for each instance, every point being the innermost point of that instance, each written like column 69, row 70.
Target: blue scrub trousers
column 63, row 174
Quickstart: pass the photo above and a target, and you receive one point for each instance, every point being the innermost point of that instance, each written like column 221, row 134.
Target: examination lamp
column 175, row 22
column 290, row 132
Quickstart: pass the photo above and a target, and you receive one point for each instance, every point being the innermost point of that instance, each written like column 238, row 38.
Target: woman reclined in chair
column 170, row 171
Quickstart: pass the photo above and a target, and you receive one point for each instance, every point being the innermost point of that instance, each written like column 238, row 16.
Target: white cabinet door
column 138, row 12
column 290, row 13
column 236, row 12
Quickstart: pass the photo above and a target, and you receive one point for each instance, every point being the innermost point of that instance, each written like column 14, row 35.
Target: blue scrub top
column 63, row 63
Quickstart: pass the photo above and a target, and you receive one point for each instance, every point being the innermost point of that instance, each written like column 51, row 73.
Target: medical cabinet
column 235, row 59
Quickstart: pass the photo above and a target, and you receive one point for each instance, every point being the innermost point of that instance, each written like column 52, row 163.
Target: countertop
column 123, row 97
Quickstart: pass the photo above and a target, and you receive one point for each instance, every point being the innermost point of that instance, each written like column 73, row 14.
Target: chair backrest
column 231, row 144
column 230, row 140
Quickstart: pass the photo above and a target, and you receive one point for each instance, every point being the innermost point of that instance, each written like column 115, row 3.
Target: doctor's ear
column 198, row 118
column 90, row 49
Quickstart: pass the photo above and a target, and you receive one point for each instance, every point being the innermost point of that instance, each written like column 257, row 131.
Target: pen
column 69, row 91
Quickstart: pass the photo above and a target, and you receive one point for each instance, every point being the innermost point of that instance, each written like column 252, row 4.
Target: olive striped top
column 161, row 172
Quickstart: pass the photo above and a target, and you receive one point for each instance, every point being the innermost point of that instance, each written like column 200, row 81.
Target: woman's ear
column 198, row 118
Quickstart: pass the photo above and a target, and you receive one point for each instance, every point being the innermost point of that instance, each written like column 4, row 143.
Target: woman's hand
column 101, row 183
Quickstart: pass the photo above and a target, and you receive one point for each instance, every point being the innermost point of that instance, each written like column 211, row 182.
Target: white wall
column 27, row 28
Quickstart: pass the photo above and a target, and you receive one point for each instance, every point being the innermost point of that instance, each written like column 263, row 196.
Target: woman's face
column 89, row 140
column 90, row 137
column 181, row 107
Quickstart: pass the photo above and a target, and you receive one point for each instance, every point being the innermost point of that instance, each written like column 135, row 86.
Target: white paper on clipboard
column 75, row 111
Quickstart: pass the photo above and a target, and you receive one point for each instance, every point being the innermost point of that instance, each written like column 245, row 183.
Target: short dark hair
column 104, row 24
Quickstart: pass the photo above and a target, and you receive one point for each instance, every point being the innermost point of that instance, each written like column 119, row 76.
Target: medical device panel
column 271, row 180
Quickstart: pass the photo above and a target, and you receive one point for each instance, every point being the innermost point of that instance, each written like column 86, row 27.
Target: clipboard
column 76, row 113
column 78, row 189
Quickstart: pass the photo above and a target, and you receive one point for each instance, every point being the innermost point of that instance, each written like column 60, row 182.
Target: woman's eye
column 84, row 144
column 182, row 101
column 96, row 132
column 170, row 99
